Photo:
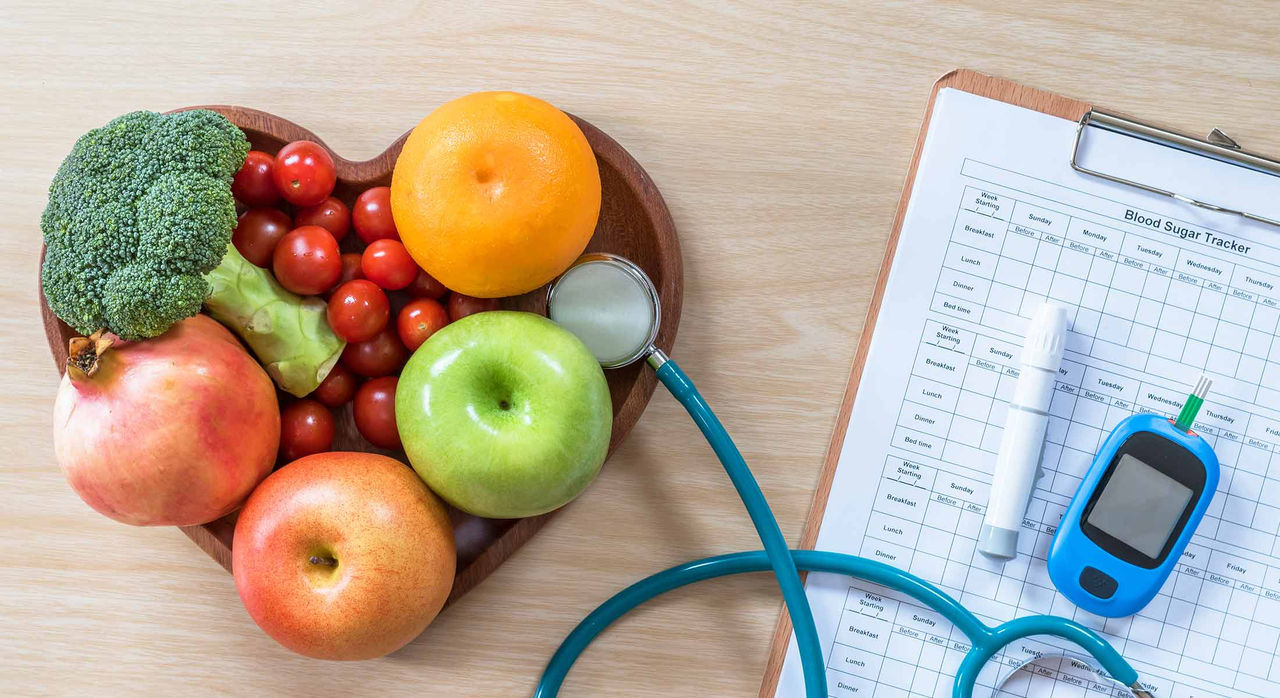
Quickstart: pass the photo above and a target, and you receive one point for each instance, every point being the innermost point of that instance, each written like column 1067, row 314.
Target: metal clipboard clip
column 1218, row 146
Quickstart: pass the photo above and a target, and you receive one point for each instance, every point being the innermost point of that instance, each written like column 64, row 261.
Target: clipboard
column 1217, row 146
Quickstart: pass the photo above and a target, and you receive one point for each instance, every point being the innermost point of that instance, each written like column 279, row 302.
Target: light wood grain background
column 779, row 134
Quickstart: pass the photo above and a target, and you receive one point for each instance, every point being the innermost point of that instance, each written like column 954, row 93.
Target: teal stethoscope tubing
column 775, row 545
column 985, row 641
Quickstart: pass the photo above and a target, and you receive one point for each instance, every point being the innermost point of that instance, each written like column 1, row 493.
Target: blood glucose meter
column 1138, row 506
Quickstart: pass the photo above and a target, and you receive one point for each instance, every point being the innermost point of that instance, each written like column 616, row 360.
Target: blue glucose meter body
column 1137, row 508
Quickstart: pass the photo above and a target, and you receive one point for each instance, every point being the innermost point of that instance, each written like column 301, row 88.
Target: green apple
column 504, row 414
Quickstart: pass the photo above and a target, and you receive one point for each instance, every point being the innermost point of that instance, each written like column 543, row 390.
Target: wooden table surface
column 779, row 134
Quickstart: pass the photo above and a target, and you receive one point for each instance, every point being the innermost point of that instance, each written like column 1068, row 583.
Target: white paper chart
column 1157, row 294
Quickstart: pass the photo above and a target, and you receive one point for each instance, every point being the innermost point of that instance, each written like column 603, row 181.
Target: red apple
column 343, row 555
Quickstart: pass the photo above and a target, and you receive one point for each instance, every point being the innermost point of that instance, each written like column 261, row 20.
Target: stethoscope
column 611, row 304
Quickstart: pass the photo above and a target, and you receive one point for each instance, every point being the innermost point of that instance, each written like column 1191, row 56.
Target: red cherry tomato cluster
column 380, row 302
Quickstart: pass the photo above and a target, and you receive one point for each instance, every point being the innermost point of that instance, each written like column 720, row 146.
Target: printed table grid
column 912, row 651
column 1135, row 300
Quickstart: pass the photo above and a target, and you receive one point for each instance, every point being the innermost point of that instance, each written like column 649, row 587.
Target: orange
column 496, row 193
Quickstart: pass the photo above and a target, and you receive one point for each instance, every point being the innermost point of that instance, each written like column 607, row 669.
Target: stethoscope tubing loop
column 985, row 641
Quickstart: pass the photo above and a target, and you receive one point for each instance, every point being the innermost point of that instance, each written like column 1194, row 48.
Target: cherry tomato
column 420, row 319
column 461, row 306
column 380, row 356
column 304, row 173
column 306, row 427
column 374, row 410
column 254, row 184
column 425, row 286
column 350, row 269
column 358, row 310
column 371, row 215
column 307, row 261
column 257, row 233
column 338, row 387
column 330, row 214
column 388, row 264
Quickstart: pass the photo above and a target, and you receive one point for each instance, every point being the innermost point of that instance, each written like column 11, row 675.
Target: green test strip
column 1191, row 407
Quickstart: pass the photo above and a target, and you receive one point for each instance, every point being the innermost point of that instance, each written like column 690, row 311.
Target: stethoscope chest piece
column 611, row 305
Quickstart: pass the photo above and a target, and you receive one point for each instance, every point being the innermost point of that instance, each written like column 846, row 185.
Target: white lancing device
column 1018, row 462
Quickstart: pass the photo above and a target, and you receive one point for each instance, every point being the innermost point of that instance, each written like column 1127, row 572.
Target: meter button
column 1098, row 583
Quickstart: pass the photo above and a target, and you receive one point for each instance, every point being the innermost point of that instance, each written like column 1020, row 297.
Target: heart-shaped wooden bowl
column 634, row 222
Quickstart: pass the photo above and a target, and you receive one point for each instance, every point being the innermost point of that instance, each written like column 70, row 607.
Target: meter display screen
column 1139, row 506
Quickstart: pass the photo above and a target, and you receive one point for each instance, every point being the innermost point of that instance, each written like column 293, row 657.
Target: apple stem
column 326, row 561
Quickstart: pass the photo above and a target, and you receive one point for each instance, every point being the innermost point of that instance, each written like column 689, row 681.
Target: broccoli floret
column 137, row 236
column 138, row 214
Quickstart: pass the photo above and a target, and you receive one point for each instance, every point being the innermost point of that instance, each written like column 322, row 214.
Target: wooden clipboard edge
column 961, row 79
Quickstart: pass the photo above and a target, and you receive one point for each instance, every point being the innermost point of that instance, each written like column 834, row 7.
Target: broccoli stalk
column 290, row 334
column 137, row 236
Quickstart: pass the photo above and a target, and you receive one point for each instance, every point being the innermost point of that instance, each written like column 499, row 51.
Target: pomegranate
column 173, row 430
